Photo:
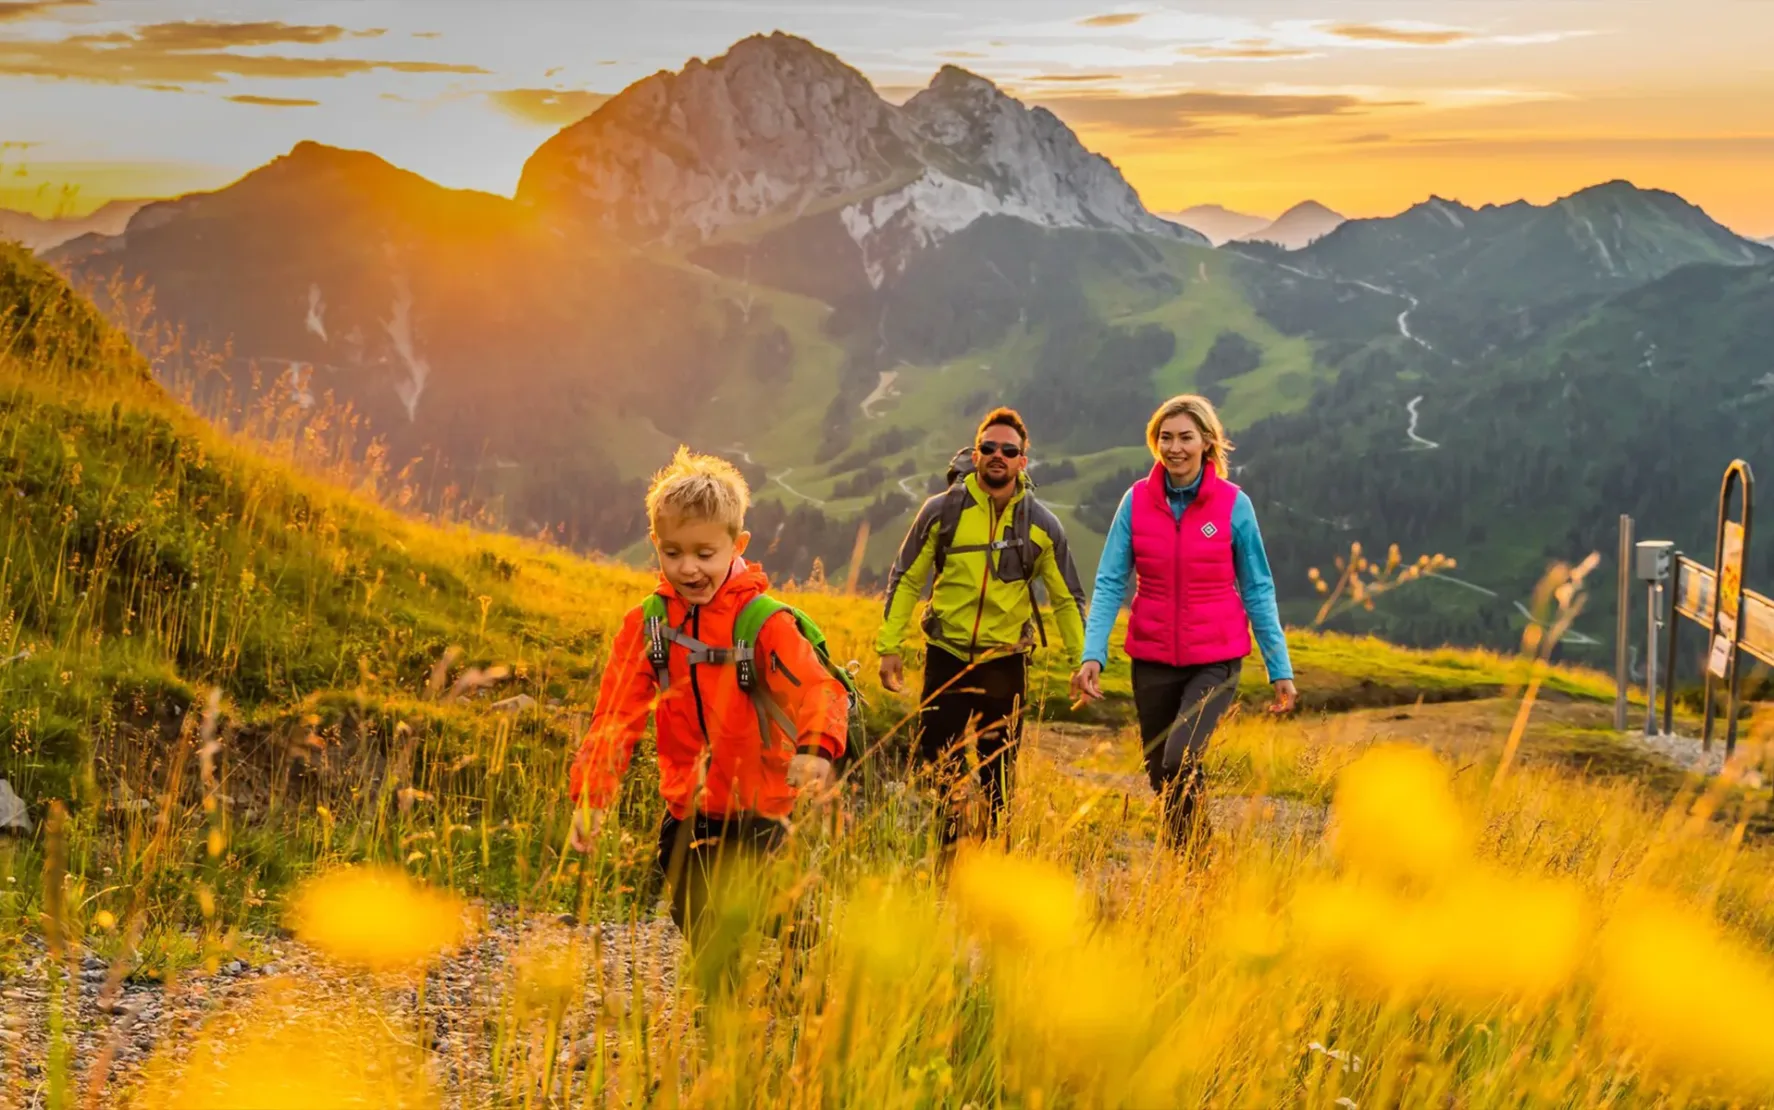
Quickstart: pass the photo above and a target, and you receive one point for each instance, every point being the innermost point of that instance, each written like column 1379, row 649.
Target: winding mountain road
column 1417, row 441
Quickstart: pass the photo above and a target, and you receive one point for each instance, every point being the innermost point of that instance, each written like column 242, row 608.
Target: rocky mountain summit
column 777, row 129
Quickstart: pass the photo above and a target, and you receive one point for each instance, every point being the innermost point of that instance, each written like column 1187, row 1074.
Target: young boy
column 730, row 772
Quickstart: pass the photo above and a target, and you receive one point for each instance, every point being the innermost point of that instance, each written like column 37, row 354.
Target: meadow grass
column 227, row 680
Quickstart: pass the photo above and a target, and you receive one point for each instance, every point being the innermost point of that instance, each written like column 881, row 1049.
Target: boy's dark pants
column 1179, row 708
column 691, row 852
column 991, row 692
column 695, row 855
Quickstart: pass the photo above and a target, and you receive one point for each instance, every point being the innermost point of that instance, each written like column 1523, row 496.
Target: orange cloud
column 274, row 101
column 17, row 11
column 203, row 34
column 961, row 55
column 1114, row 19
column 548, row 107
column 195, row 53
column 1243, row 52
column 1374, row 32
column 1175, row 114
column 1065, row 78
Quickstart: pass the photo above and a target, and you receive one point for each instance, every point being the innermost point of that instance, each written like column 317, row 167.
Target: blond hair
column 699, row 487
column 1201, row 411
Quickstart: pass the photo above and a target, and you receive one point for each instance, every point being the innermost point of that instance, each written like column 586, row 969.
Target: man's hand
column 1285, row 696
column 587, row 824
column 810, row 774
column 1086, row 682
column 892, row 673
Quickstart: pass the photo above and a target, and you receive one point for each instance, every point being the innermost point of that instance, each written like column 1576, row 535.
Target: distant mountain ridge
column 1477, row 278
column 1218, row 223
column 777, row 128
column 40, row 233
column 1299, row 226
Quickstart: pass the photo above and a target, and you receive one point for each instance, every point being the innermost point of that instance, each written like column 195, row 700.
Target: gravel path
column 123, row 1029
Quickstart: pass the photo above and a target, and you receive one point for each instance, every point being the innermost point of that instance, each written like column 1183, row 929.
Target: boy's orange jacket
column 705, row 715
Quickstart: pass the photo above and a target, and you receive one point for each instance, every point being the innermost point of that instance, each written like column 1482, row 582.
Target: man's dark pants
column 985, row 698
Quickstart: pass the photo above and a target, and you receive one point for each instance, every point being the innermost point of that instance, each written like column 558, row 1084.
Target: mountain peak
column 953, row 79
column 777, row 126
column 778, row 48
column 1298, row 226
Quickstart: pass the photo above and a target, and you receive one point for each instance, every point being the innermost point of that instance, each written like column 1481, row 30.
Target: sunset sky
column 1365, row 105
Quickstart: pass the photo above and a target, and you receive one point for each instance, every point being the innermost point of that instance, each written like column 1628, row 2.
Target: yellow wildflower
column 1688, row 997
column 1017, row 901
column 1395, row 814
column 377, row 917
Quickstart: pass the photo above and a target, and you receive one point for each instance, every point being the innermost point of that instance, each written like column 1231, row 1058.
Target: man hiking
column 984, row 540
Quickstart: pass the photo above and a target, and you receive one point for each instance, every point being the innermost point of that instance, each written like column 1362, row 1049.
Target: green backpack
column 742, row 655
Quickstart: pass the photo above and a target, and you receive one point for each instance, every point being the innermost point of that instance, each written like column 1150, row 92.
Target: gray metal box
column 1652, row 559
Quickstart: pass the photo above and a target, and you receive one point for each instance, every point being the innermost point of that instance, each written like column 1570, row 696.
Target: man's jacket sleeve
column 1065, row 591
column 811, row 695
column 624, row 699
column 911, row 570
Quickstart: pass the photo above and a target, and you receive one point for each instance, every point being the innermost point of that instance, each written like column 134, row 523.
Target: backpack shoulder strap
column 661, row 635
column 1021, row 533
column 954, row 502
column 746, row 629
column 653, row 621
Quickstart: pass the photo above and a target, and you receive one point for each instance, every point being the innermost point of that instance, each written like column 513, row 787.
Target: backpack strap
column 746, row 629
column 661, row 635
column 955, row 502
column 658, row 647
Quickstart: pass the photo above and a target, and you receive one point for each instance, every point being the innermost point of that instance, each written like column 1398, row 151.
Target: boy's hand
column 810, row 774
column 587, row 824
column 892, row 673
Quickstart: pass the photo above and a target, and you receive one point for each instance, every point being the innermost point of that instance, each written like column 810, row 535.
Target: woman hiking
column 1189, row 538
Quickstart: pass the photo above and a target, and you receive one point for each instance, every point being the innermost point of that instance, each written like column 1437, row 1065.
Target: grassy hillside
column 358, row 660
column 1637, row 408
column 150, row 561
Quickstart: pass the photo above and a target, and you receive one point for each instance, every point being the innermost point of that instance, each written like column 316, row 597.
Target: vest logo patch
column 1209, row 530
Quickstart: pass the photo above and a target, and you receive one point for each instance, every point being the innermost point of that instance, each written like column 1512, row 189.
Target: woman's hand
column 1285, row 696
column 1086, row 684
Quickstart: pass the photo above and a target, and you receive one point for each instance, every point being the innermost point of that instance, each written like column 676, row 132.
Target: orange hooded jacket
column 705, row 716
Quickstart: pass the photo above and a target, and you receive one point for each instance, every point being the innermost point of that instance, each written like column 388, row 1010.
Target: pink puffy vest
column 1186, row 609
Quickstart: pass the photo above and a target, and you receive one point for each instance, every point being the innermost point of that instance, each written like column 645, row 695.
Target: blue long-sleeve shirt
column 1256, row 584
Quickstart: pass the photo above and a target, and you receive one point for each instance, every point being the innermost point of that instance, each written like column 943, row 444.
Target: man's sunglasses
column 991, row 447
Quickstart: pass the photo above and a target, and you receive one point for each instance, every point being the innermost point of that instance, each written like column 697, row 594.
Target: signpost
column 1738, row 621
column 1727, row 605
column 1622, row 612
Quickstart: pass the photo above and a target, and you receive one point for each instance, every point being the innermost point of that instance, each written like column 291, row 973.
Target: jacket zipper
column 695, row 623
column 985, row 578
column 1177, row 562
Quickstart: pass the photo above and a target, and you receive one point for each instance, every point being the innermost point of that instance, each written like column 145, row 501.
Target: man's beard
column 995, row 481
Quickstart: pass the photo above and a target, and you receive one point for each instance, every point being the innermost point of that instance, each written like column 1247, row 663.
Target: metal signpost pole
column 1673, row 626
column 1652, row 566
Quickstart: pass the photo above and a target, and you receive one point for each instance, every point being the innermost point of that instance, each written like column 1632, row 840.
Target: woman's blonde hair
column 1201, row 411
